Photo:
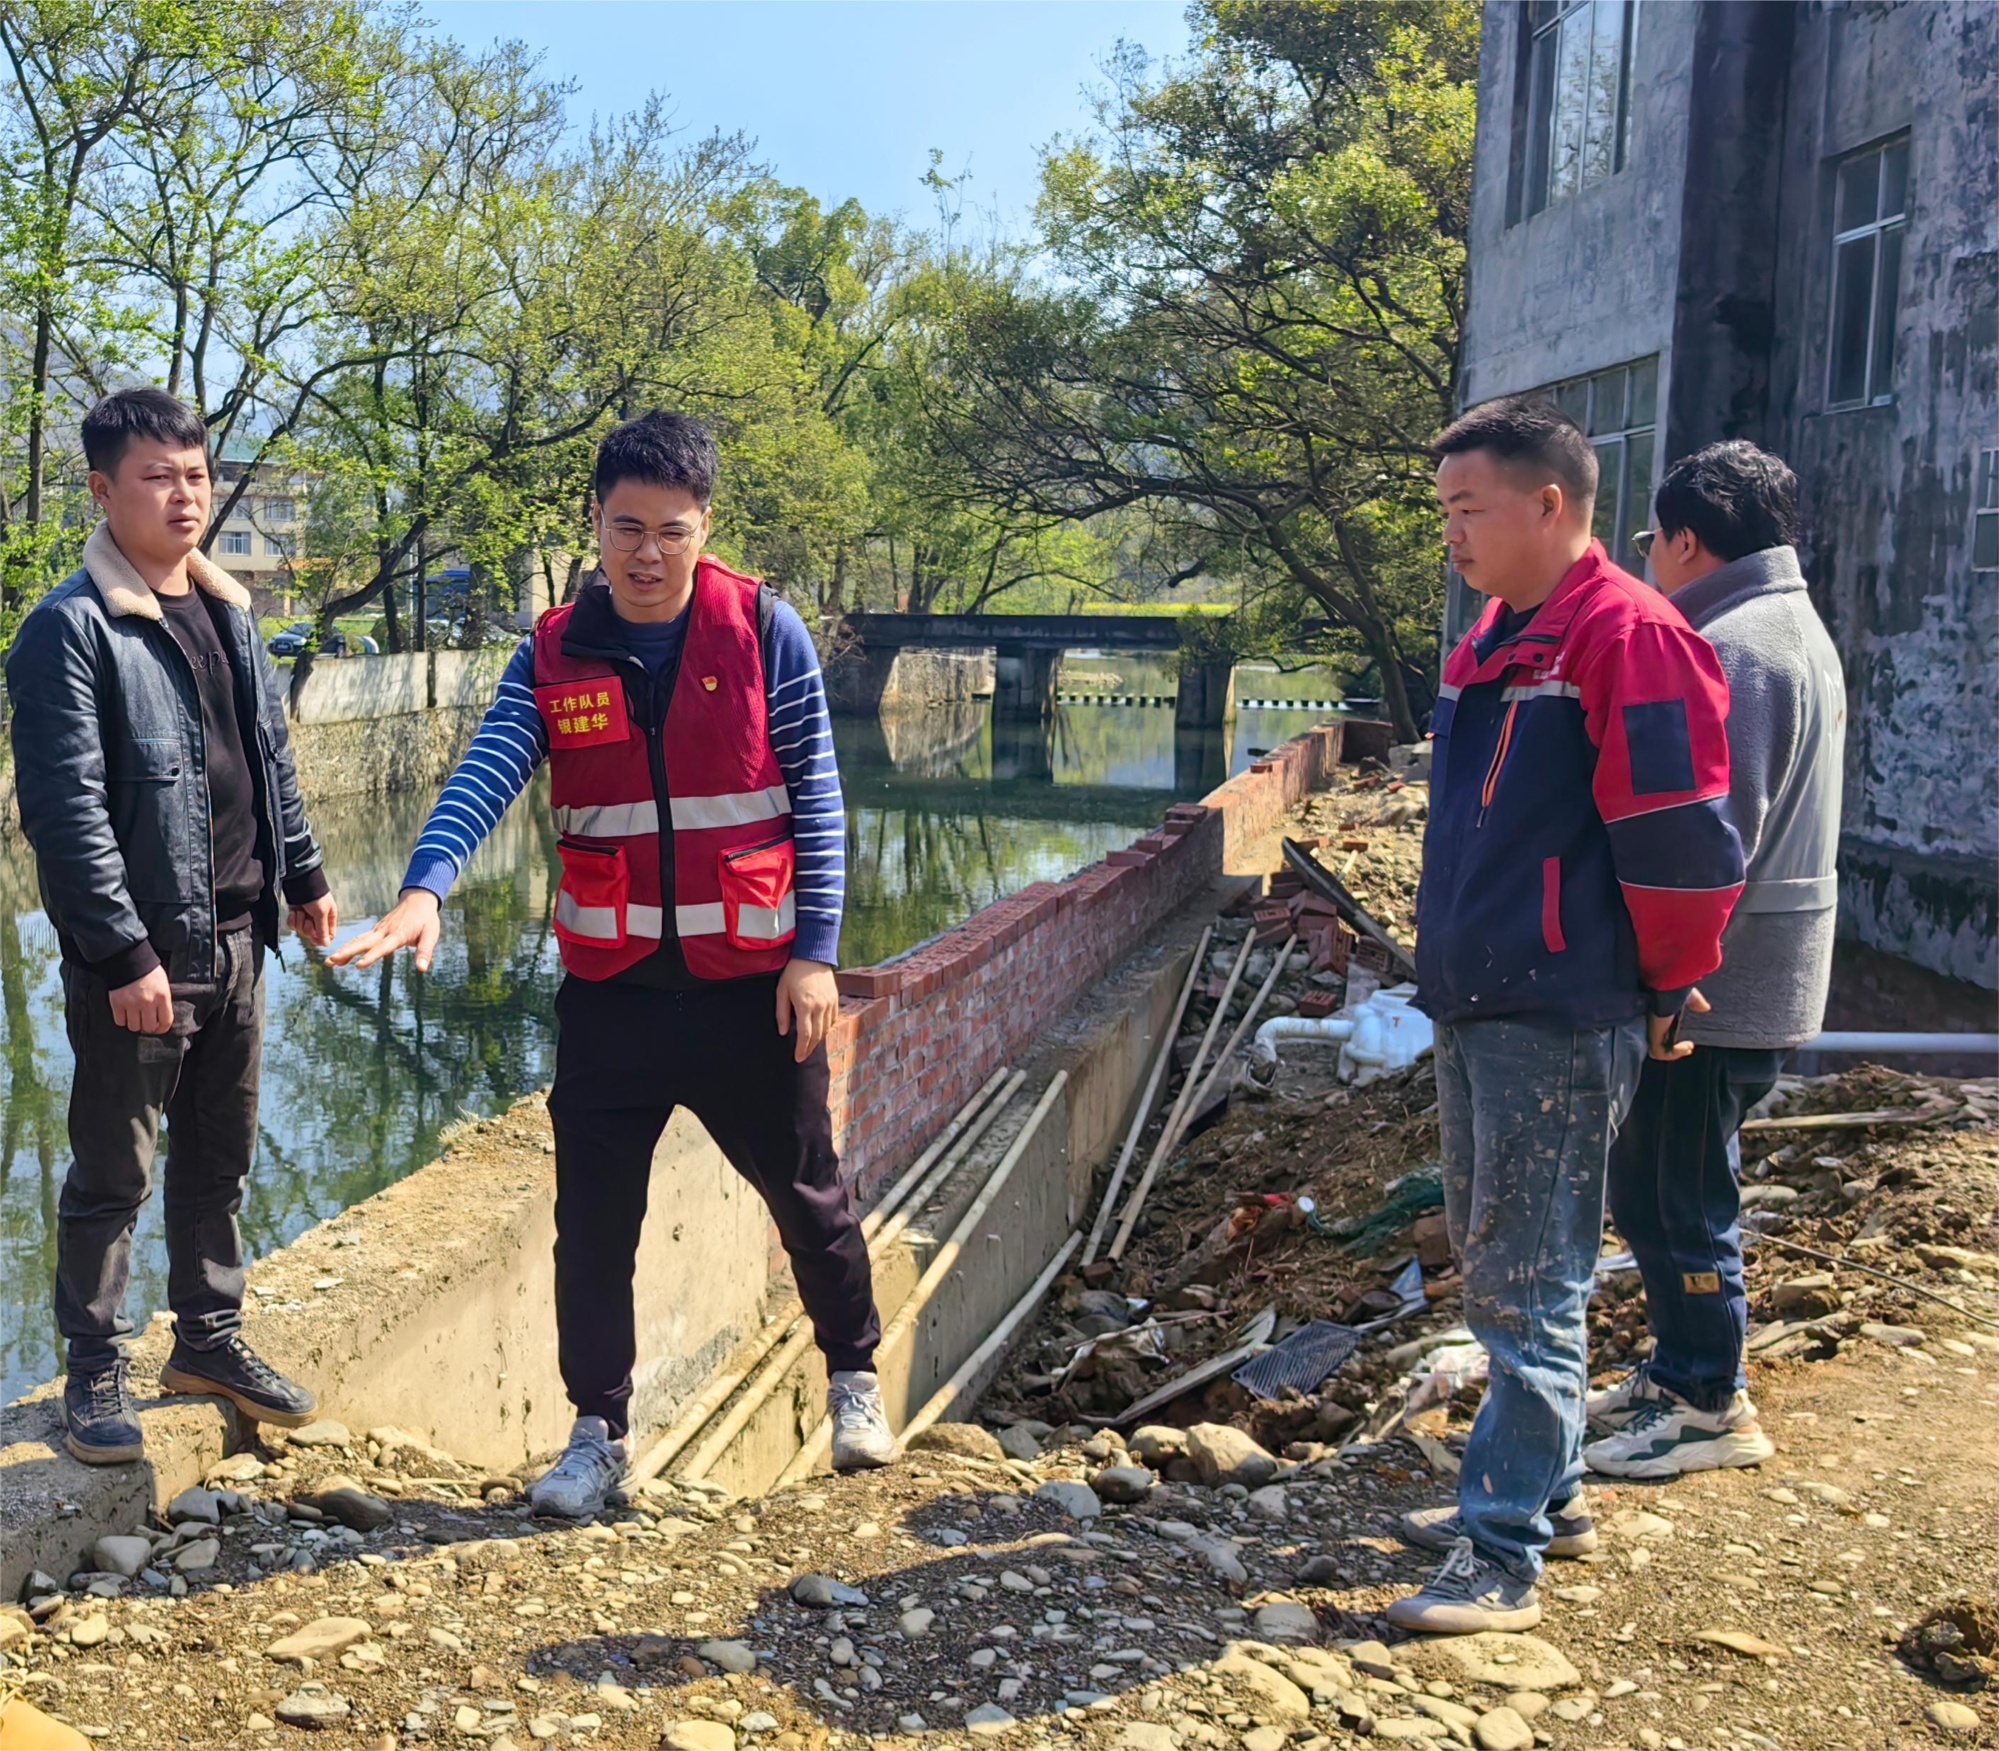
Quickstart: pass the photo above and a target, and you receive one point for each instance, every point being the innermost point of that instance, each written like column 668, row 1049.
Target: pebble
column 1737, row 1642
column 1580, row 1595
column 1371, row 1659
column 342, row 1499
column 822, row 1591
column 195, row 1504
column 1502, row 1729
column 1148, row 1736
column 1899, row 1337
column 1019, row 1443
column 122, row 1553
column 1077, row 1500
column 1511, row 1662
column 322, row 1639
column 324, row 1433
column 916, row 1622
column 1272, row 1501
column 1264, row 1739
column 237, row 1468
column 1638, row 1526
column 313, row 1705
column 1952, row 1717
column 1618, row 1687
column 1285, row 1621
column 466, row 1718
column 1321, row 1571
column 1407, row 1727
column 758, row 1721
column 1123, row 1483
column 966, row 1439
column 731, row 1656
column 1276, row 1692
column 1156, row 1443
column 988, row 1719
column 89, row 1632
column 912, row 1723
column 1527, row 1704
column 841, row 1653
column 201, row 1554
column 1222, row 1455
column 1221, row 1557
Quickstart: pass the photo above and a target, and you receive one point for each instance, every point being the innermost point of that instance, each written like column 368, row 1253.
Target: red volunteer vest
column 727, row 809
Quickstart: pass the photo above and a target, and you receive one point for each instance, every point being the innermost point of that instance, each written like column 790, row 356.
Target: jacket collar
column 124, row 592
column 1537, row 642
column 1771, row 572
column 594, row 629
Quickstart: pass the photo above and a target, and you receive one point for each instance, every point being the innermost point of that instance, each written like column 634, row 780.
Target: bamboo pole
column 945, row 1399
column 953, row 1160
column 1160, row 1060
column 695, row 1418
column 1242, row 1027
column 1172, row 1126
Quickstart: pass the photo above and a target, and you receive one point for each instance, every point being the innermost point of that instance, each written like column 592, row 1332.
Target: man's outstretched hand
column 808, row 994
column 316, row 920
column 411, row 923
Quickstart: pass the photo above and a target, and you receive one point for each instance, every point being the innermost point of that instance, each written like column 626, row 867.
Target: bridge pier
column 1024, row 682
column 1200, row 761
column 1023, row 750
column 1206, row 700
column 857, row 679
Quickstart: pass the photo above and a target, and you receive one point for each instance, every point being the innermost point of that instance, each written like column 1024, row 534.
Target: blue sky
column 845, row 97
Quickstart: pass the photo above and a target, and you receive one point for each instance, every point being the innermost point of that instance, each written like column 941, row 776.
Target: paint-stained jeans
column 1675, row 1199
column 1528, row 1114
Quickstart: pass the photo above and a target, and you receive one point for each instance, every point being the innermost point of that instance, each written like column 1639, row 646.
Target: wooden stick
column 945, row 1399
column 1850, row 1121
column 1242, row 1027
column 1161, row 1059
column 1173, row 1122
column 814, row 1449
column 790, row 1319
column 1318, row 877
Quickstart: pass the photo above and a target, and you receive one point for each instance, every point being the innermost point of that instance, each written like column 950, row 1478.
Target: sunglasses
column 1641, row 542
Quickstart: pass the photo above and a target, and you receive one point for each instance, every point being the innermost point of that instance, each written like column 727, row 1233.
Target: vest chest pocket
column 590, row 905
column 759, row 910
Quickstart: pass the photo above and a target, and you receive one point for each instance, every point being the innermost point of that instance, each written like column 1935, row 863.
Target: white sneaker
column 579, row 1484
column 861, row 1438
column 1615, row 1406
column 1668, row 1437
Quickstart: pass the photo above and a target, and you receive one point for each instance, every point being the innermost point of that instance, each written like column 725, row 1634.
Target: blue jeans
column 1674, row 1198
column 1528, row 1113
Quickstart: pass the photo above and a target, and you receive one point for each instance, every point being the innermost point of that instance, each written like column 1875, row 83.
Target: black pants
column 202, row 1078
column 1675, row 1198
column 626, row 1056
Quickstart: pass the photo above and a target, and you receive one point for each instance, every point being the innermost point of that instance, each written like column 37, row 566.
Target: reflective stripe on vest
column 609, row 820
column 601, row 922
column 691, row 814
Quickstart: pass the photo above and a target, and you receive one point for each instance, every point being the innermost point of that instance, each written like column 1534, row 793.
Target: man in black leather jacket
column 156, row 786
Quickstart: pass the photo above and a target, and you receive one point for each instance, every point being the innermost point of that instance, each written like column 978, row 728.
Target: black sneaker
column 1466, row 1595
column 103, row 1425
column 1440, row 1528
column 234, row 1371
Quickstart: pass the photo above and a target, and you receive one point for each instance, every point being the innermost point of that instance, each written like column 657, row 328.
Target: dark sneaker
column 1440, row 1528
column 103, row 1425
column 234, row 1371
column 1468, row 1594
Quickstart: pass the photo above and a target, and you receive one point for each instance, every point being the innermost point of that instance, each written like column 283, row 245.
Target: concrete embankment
column 429, row 1305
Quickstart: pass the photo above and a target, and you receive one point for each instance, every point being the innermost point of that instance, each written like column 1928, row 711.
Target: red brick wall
column 917, row 1038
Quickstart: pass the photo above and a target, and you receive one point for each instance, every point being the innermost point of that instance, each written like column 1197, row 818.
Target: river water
column 362, row 1070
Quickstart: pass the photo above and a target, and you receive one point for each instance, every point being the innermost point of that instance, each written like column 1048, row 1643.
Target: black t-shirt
column 232, row 794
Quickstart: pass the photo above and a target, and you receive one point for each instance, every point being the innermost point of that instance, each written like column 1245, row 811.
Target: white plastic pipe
column 1328, row 1030
column 1973, row 1044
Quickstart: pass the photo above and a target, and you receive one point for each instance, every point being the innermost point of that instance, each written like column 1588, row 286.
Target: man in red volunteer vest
column 695, row 793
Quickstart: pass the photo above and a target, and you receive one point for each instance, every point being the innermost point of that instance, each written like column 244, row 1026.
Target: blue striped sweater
column 512, row 741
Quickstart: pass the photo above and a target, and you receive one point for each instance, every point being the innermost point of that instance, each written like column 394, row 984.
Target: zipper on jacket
column 207, row 807
column 1498, row 761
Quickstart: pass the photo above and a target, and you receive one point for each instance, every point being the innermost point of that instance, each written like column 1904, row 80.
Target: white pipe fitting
column 1330, row 1030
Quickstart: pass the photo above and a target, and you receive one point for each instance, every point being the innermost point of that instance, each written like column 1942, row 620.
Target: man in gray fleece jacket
column 1722, row 549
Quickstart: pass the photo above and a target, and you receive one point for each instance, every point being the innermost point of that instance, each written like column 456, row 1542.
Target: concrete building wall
column 1713, row 247
column 1888, row 490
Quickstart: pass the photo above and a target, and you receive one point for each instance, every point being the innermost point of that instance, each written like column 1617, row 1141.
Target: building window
column 236, row 543
column 276, row 546
column 1985, row 518
column 1619, row 410
column 1577, row 114
column 1872, row 201
column 278, row 511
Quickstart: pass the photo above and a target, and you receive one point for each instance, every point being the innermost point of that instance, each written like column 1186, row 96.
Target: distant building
column 263, row 538
column 1781, row 221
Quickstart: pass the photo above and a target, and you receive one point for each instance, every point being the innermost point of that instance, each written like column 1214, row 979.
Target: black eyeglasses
column 1641, row 542
column 628, row 538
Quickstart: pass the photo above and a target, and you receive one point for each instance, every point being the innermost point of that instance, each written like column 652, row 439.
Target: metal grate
column 1301, row 1361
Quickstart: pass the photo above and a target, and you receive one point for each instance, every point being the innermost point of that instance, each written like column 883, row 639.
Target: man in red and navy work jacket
column 697, row 801
column 1578, row 867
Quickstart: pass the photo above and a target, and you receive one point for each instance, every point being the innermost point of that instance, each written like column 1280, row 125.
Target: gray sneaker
column 578, row 1485
column 861, row 1438
column 1440, row 1528
column 1467, row 1594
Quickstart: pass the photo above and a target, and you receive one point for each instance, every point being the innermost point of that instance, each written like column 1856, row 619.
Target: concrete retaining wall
column 860, row 682
column 355, row 689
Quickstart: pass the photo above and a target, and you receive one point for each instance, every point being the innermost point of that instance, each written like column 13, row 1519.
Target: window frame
column 1985, row 510
column 230, row 540
column 1874, row 391
column 1626, row 446
column 1537, row 109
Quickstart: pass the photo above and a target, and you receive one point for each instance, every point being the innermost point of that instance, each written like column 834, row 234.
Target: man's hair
column 661, row 449
column 1531, row 435
column 1736, row 498
column 126, row 414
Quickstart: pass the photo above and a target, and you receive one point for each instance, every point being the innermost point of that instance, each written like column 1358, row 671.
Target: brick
column 868, row 982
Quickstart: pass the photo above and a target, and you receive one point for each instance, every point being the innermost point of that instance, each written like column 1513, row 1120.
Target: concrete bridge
column 1027, row 650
